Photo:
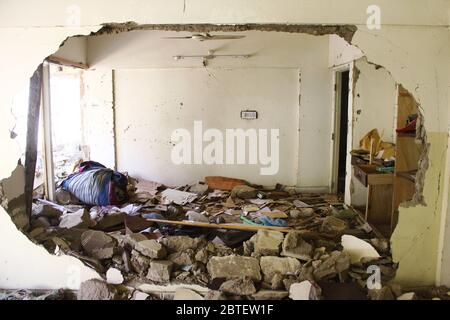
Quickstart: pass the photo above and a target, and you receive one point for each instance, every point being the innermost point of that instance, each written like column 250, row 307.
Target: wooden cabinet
column 386, row 191
column 407, row 156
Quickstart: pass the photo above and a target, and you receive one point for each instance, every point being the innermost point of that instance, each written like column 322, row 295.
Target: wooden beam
column 34, row 102
column 47, row 130
column 230, row 226
column 66, row 62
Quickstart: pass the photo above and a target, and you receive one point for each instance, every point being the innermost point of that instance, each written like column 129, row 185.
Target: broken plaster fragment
column 358, row 248
column 305, row 290
column 114, row 276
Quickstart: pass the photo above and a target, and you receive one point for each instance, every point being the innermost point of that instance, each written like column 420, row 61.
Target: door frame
column 335, row 125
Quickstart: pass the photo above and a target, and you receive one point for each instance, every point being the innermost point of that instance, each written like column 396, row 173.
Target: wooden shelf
column 407, row 175
column 407, row 155
column 407, row 135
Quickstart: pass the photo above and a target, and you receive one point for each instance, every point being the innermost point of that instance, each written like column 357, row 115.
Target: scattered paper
column 301, row 204
column 131, row 209
column 259, row 202
column 178, row 197
column 275, row 214
column 147, row 186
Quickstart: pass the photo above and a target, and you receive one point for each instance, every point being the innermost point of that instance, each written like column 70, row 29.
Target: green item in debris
column 248, row 221
column 345, row 214
column 385, row 169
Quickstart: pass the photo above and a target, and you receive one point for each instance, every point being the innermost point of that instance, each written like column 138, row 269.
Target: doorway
column 342, row 78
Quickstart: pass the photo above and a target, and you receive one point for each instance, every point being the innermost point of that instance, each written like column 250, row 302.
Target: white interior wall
column 98, row 116
column 341, row 52
column 152, row 103
column 374, row 102
column 74, row 49
column 246, row 83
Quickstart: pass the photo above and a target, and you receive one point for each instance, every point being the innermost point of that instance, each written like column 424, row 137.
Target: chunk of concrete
column 139, row 263
column 182, row 258
column 202, row 255
column 306, row 212
column 294, row 246
column 333, row 264
column 277, row 281
column 332, row 224
column 304, row 290
column 244, row 192
column 45, row 210
column 95, row 289
column 357, row 248
column 239, row 286
column 98, row 244
column 284, row 266
column 129, row 240
column 199, row 188
column 268, row 243
column 78, row 219
column 186, row 294
column 110, row 221
column 270, row 295
column 160, row 270
column 151, row 248
column 182, row 243
column 233, row 266
column 64, row 197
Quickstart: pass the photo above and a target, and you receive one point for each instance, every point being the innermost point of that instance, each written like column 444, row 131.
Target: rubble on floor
column 258, row 243
column 23, row 294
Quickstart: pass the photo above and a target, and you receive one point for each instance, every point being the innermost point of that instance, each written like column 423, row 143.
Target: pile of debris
column 239, row 241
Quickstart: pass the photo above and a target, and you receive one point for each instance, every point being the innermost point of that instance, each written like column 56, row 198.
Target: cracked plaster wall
column 418, row 242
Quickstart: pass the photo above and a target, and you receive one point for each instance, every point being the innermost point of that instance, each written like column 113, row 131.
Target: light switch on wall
column 249, row 114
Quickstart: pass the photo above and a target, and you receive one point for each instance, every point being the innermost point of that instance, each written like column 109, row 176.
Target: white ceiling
column 149, row 49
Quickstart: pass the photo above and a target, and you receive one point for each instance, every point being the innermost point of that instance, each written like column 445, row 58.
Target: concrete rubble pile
column 307, row 260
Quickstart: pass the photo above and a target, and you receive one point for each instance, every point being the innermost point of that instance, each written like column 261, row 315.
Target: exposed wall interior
column 417, row 243
column 73, row 49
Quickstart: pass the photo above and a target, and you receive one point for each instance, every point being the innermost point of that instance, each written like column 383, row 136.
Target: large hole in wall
column 69, row 242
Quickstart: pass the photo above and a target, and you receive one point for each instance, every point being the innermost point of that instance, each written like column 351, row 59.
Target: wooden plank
column 47, row 126
column 368, row 175
column 380, row 179
column 380, row 204
column 34, row 102
column 230, row 226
